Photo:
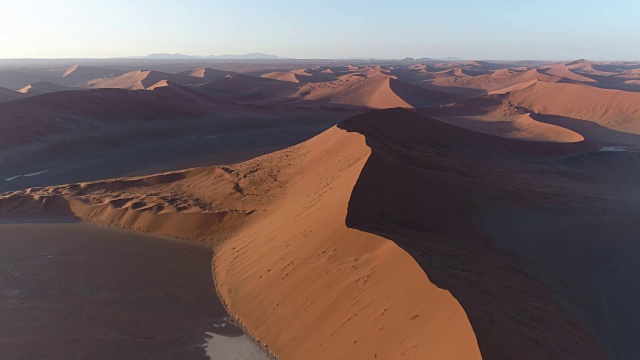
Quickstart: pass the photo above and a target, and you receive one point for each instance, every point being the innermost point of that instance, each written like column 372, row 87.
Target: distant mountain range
column 229, row 56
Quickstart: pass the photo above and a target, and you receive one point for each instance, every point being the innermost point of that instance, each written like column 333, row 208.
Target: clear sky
column 489, row 29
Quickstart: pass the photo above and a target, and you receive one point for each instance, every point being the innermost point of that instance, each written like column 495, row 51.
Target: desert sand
column 463, row 220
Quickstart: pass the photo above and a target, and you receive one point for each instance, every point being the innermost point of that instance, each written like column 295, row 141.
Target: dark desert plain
column 194, row 208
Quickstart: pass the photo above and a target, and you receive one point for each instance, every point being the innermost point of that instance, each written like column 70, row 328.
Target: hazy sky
column 489, row 29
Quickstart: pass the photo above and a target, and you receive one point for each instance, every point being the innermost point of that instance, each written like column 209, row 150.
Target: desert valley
column 170, row 208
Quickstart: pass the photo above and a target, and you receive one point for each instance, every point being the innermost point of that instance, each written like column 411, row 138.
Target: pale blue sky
column 489, row 29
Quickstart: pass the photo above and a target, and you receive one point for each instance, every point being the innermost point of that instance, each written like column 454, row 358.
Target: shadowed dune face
column 382, row 305
column 427, row 197
column 508, row 238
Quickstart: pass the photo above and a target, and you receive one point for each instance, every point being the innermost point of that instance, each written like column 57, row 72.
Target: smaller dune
column 561, row 70
column 509, row 123
column 43, row 87
column 206, row 73
column 287, row 76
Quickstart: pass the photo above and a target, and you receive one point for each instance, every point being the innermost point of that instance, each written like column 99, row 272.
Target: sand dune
column 141, row 79
column 471, row 227
column 605, row 115
column 420, row 68
column 373, row 89
column 292, row 75
column 25, row 120
column 585, row 66
column 498, row 81
column 81, row 74
column 43, row 87
column 561, row 70
column 18, row 77
column 503, row 120
column 556, row 112
column 206, row 73
column 287, row 76
column 455, row 72
column 493, row 115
